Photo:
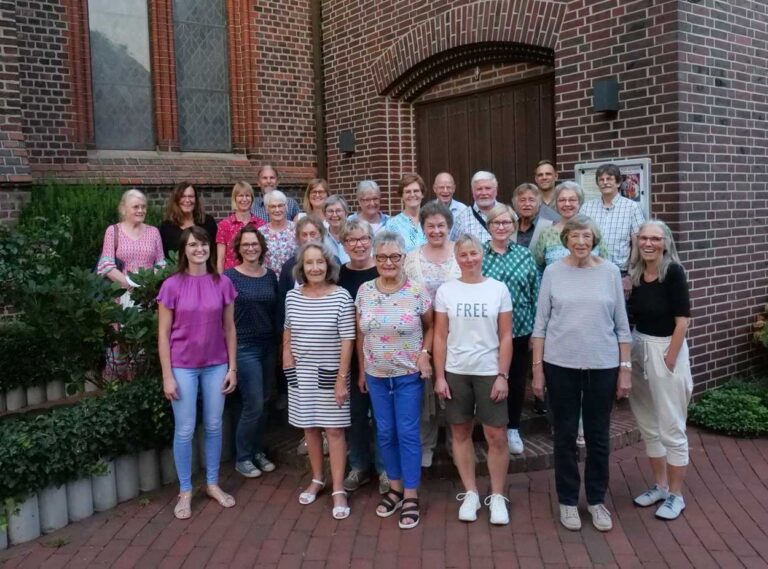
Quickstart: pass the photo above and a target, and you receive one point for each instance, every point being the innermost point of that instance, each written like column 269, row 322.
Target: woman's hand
column 441, row 388
column 341, row 391
column 624, row 385
column 170, row 388
column 288, row 361
column 230, row 382
column 500, row 389
column 537, row 384
column 362, row 385
column 670, row 361
column 423, row 365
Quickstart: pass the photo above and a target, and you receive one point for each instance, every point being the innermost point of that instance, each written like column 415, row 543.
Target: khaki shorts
column 471, row 398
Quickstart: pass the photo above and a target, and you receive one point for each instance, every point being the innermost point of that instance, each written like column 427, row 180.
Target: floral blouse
column 281, row 246
column 430, row 275
column 228, row 230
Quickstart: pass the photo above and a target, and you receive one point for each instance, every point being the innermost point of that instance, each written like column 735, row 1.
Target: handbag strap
column 117, row 237
column 479, row 218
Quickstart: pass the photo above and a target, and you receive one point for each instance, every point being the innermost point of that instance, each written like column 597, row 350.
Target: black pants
column 518, row 375
column 591, row 393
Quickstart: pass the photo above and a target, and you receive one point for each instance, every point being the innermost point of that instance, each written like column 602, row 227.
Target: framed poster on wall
column 635, row 180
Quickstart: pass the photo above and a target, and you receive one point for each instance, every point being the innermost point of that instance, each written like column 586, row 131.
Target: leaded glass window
column 120, row 73
column 202, row 81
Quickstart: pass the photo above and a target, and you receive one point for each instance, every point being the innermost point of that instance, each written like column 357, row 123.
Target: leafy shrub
column 90, row 207
column 736, row 409
column 66, row 443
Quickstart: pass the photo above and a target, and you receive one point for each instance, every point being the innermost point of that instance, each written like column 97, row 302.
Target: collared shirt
column 466, row 222
column 517, row 270
column 524, row 237
column 260, row 210
column 456, row 207
column 549, row 212
column 617, row 223
column 383, row 217
column 411, row 232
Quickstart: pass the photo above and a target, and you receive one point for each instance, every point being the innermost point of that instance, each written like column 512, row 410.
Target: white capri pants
column 659, row 398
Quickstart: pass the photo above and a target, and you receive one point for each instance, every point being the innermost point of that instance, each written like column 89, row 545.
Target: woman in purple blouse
column 197, row 345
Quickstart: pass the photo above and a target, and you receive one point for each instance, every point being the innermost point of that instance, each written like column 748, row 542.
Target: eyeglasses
column 394, row 258
column 369, row 200
column 249, row 245
column 650, row 238
column 277, row 206
column 318, row 193
column 501, row 223
column 567, row 200
column 355, row 240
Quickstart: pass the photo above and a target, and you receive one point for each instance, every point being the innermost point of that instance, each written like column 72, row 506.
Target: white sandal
column 306, row 498
column 340, row 512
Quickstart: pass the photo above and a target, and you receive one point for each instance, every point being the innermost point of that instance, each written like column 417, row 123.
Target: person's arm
column 221, row 251
column 624, row 385
column 439, row 353
column 500, row 388
column 678, row 336
column 537, row 351
column 361, row 384
column 341, row 388
column 422, row 360
column 288, row 361
column 164, row 324
column 107, row 262
column 230, row 336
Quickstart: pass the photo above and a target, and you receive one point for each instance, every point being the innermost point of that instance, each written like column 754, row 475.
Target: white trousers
column 659, row 398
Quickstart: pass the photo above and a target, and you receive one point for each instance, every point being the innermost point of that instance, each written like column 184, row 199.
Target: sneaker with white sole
column 355, row 479
column 426, row 458
column 672, row 507
column 569, row 517
column 514, row 442
column 651, row 496
column 470, row 503
column 499, row 513
column 601, row 517
column 384, row 486
column 263, row 462
column 247, row 469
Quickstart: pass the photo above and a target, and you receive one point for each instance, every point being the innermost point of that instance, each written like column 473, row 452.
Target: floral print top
column 391, row 326
column 281, row 246
column 430, row 275
column 228, row 230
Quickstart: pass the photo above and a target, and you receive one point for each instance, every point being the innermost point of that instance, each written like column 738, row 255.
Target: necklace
column 387, row 290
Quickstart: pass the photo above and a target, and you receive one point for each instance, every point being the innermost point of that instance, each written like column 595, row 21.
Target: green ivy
column 736, row 409
column 67, row 443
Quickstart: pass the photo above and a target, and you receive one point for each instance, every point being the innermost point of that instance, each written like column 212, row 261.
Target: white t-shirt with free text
column 473, row 324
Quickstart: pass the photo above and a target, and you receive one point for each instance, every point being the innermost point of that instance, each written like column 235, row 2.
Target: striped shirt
column 617, row 223
column 318, row 326
column 581, row 315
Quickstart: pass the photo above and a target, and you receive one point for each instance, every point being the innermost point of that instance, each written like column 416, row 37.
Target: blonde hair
column 306, row 205
column 241, row 187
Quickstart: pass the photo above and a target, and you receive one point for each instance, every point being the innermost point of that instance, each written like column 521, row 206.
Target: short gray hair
column 365, row 186
column 435, row 207
column 527, row 187
column 275, row 196
column 331, row 273
column 577, row 222
column 310, row 219
column 333, row 200
column 571, row 186
column 388, row 237
column 483, row 175
column 465, row 238
column 356, row 224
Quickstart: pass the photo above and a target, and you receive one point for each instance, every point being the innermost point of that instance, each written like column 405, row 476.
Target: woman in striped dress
column 318, row 342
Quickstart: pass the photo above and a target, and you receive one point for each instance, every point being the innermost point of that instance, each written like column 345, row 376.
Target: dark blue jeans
column 255, row 368
column 361, row 434
column 591, row 393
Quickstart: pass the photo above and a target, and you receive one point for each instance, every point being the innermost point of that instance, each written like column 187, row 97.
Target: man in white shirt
column 618, row 218
column 444, row 187
column 473, row 220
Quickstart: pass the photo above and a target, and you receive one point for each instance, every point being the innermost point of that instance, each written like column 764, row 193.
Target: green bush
column 91, row 208
column 736, row 409
column 66, row 443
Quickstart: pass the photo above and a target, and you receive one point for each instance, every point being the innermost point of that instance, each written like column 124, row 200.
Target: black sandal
column 391, row 505
column 410, row 510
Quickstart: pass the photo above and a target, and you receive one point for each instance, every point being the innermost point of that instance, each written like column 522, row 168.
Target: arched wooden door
column 505, row 130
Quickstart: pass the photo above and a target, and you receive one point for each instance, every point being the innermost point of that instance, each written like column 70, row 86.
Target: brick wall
column 14, row 166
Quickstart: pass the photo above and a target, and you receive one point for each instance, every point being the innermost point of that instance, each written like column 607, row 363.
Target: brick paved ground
column 725, row 525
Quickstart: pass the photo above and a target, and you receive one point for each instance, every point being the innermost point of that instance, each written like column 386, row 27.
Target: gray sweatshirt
column 581, row 315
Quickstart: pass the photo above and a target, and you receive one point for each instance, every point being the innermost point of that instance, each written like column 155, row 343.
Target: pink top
column 142, row 253
column 197, row 332
column 228, row 230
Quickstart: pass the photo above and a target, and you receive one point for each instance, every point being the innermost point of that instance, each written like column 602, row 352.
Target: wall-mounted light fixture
column 605, row 95
column 347, row 141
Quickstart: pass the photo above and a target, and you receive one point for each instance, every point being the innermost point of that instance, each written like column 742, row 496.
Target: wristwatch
column 504, row 375
column 627, row 365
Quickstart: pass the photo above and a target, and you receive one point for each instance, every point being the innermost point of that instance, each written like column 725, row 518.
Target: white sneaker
column 672, row 507
column 514, row 442
column 601, row 517
column 470, row 503
column 569, row 517
column 499, row 513
column 653, row 495
column 426, row 458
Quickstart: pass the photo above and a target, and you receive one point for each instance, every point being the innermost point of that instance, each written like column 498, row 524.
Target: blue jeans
column 255, row 365
column 397, row 411
column 210, row 380
column 588, row 393
column 361, row 433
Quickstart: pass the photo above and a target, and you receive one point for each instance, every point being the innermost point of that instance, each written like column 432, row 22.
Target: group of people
column 388, row 326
